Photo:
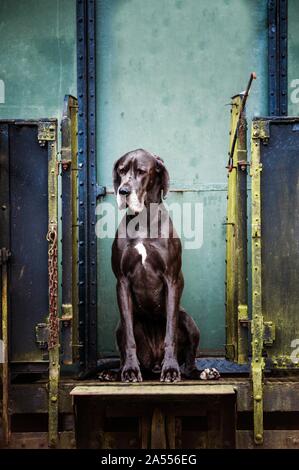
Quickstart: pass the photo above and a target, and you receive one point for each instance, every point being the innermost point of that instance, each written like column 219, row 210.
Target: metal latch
column 42, row 335
column 269, row 333
column 66, row 324
column 46, row 131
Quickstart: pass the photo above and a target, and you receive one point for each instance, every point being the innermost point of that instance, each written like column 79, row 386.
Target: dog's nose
column 124, row 191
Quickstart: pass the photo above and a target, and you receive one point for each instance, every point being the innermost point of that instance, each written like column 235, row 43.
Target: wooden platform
column 198, row 415
column 145, row 390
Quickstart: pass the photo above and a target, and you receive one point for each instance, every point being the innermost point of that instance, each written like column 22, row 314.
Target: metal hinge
column 46, row 132
column 261, row 130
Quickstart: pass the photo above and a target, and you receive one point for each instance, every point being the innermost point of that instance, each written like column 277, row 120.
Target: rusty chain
column 53, row 286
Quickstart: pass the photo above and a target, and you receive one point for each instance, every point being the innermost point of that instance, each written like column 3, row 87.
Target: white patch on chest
column 142, row 251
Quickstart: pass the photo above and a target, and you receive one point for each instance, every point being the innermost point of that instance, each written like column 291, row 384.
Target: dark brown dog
column 154, row 333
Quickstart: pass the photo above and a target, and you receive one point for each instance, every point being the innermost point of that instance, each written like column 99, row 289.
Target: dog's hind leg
column 191, row 334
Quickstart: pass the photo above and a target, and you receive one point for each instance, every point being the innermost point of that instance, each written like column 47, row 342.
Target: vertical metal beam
column 87, row 183
column 278, row 57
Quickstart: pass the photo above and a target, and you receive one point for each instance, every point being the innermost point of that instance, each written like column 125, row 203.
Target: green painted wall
column 37, row 56
column 293, row 55
column 166, row 71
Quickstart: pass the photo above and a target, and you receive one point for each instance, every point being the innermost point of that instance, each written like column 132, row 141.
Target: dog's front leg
column 130, row 368
column 170, row 367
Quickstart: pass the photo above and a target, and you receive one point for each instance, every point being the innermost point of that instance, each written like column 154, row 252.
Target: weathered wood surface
column 153, row 389
column 279, row 394
column 273, row 439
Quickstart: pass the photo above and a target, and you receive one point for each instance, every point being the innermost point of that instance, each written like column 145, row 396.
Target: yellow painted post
column 259, row 132
column 236, row 240
column 47, row 135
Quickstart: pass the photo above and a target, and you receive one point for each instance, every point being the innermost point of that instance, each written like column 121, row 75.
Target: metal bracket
column 269, row 333
column 100, row 191
column 261, row 130
column 46, row 132
column 42, row 335
column 243, row 323
column 67, row 333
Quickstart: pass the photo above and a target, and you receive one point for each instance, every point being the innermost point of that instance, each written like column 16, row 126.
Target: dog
column 155, row 334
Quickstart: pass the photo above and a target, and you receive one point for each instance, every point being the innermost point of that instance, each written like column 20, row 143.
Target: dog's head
column 136, row 175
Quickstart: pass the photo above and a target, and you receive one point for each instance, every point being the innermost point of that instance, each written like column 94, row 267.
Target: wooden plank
column 149, row 389
column 273, row 439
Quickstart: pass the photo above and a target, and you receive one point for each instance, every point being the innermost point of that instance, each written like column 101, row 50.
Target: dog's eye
column 140, row 171
column 122, row 172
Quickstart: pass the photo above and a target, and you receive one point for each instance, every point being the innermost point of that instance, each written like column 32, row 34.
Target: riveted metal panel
column 293, row 54
column 28, row 172
column 87, row 183
column 278, row 57
column 279, row 235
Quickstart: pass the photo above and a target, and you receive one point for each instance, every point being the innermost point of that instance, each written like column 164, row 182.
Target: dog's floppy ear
column 164, row 175
column 115, row 177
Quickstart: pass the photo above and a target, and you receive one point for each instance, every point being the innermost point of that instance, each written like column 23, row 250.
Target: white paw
column 210, row 374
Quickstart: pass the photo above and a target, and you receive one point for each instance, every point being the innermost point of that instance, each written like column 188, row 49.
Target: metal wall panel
column 280, row 241
column 29, row 225
column 293, row 54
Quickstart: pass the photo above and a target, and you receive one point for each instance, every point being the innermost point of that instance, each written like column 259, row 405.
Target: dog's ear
column 164, row 175
column 115, row 177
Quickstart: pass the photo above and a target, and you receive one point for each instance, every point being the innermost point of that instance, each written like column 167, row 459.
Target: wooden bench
column 155, row 415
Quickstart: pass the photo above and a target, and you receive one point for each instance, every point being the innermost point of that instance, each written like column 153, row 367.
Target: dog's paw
column 131, row 373
column 170, row 371
column 210, row 374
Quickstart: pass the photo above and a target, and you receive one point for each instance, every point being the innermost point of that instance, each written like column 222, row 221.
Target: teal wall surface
column 37, row 57
column 165, row 73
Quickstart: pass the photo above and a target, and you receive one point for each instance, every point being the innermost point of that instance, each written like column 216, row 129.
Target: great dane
column 154, row 332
